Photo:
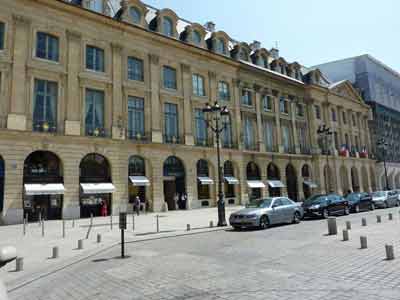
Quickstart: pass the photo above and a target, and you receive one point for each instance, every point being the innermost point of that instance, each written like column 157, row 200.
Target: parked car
column 360, row 201
column 385, row 199
column 264, row 212
column 325, row 205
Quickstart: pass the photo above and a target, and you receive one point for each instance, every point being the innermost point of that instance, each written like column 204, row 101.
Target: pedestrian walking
column 104, row 209
column 176, row 200
column 136, row 205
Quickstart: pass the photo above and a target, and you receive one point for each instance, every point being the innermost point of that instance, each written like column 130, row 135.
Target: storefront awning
column 255, row 184
column 44, row 189
column 139, row 180
column 276, row 184
column 311, row 184
column 205, row 180
column 231, row 180
column 97, row 188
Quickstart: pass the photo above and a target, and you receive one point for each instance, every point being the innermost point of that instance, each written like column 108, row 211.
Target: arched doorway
column 43, row 185
column 355, row 180
column 344, row 177
column 203, row 183
column 291, row 182
column 253, row 175
column 308, row 185
column 137, row 181
column 2, row 180
column 230, row 181
column 96, row 186
column 373, row 178
column 365, row 183
column 174, row 181
column 274, row 180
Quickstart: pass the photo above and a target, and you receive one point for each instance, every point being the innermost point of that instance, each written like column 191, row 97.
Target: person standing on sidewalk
column 136, row 205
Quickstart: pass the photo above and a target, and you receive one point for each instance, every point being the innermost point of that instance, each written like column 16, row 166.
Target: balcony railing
column 44, row 126
column 204, row 142
column 137, row 137
column 97, row 132
column 171, row 139
column 228, row 145
column 251, row 147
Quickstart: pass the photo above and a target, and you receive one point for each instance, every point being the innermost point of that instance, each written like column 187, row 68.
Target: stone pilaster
column 156, row 118
column 259, row 140
column 118, row 129
column 237, row 117
column 187, row 105
column 294, row 127
column 278, row 130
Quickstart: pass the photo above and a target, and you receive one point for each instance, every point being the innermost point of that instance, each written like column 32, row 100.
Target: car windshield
column 378, row 194
column 260, row 203
column 316, row 199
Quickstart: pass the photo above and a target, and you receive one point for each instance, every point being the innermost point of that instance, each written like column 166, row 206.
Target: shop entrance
column 291, row 182
column 174, row 183
column 43, row 186
column 273, row 174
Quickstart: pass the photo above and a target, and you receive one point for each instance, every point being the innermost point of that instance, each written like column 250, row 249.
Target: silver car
column 264, row 212
column 385, row 199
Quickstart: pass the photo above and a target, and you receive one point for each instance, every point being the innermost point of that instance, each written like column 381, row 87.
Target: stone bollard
column 55, row 252
column 348, row 225
column 363, row 222
column 188, row 227
column 211, row 224
column 363, row 242
column 98, row 238
column 19, row 264
column 378, row 219
column 332, row 227
column 345, row 235
column 389, row 252
column 390, row 216
column 80, row 244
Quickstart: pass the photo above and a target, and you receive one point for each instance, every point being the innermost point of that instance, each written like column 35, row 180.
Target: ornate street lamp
column 324, row 133
column 381, row 143
column 216, row 120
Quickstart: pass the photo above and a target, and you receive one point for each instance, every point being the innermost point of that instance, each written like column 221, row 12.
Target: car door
column 365, row 201
column 392, row 198
column 288, row 208
column 277, row 214
column 332, row 204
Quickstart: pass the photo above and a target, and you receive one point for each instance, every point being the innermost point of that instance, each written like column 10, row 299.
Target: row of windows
column 334, row 116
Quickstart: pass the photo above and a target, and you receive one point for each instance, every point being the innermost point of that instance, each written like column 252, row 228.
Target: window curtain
column 248, row 133
column 269, row 136
column 227, row 133
column 286, row 138
column 201, row 130
column 171, row 120
column 136, row 116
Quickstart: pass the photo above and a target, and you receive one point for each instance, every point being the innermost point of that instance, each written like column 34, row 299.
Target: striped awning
column 44, row 189
column 139, row 180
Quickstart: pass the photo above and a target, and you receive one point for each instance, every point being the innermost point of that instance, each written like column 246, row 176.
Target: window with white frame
column 169, row 75
column 45, row 105
column 223, row 91
column 94, row 58
column 268, row 104
column 196, row 37
column 317, row 112
column 135, row 14
column 334, row 118
column 200, row 127
column 286, row 138
column 47, row 46
column 248, row 133
column 135, row 117
column 2, row 35
column 168, row 27
column 247, row 97
column 300, row 110
column 220, row 46
column 135, row 69
column 198, row 85
column 94, row 112
column 283, row 105
column 171, row 124
column 226, row 135
column 302, row 135
column 269, row 126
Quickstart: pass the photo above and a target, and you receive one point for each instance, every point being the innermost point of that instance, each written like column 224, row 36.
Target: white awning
column 44, row 189
column 311, row 184
column 97, row 188
column 139, row 180
column 231, row 180
column 205, row 180
column 276, row 184
column 255, row 184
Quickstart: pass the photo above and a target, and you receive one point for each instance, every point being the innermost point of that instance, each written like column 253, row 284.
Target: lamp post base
column 221, row 211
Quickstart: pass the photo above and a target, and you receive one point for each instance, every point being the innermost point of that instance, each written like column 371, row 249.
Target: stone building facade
column 97, row 109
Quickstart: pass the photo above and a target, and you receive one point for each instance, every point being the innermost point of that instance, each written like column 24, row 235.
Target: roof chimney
column 210, row 26
column 255, row 45
column 274, row 53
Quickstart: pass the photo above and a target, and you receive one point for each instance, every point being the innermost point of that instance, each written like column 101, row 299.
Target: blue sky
column 310, row 32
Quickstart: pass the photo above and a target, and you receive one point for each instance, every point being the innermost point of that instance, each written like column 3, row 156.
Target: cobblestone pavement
column 283, row 262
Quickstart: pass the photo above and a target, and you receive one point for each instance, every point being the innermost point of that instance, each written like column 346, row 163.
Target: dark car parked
column 325, row 205
column 360, row 201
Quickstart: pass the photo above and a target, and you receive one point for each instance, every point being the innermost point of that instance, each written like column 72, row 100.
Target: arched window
column 305, row 171
column 168, row 29
column 228, row 169
column 136, row 166
column 220, row 46
column 196, row 36
column 203, row 187
column 135, row 15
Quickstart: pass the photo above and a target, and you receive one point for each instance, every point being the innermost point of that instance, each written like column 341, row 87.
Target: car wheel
column 325, row 213
column 296, row 218
column 357, row 209
column 372, row 206
column 264, row 222
column 346, row 210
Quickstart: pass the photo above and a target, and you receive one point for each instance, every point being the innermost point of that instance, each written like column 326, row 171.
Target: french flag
column 343, row 150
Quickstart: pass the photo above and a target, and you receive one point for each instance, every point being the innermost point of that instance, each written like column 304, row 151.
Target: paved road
column 283, row 262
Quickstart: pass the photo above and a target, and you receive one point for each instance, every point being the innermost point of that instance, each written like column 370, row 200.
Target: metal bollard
column 111, row 221
column 378, row 219
column 24, row 227
column 332, row 227
column 348, row 225
column 80, row 244
column 363, row 242
column 73, row 223
column 133, row 222
column 91, row 219
column 98, row 238
column 55, row 252
column 211, row 224
column 63, row 228
column 389, row 252
column 19, row 264
column 42, row 228
column 390, row 216
column 158, row 223
column 188, row 227
column 40, row 218
column 363, row 222
column 345, row 235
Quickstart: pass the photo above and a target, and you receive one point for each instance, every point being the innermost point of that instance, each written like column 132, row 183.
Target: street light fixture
column 324, row 133
column 381, row 143
column 216, row 120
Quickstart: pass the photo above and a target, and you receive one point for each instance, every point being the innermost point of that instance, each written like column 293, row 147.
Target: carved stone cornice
column 154, row 59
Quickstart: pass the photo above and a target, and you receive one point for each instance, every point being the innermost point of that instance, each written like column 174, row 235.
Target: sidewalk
column 37, row 250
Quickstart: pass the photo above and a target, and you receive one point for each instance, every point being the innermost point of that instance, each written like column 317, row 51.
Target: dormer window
column 168, row 29
column 261, row 61
column 282, row 69
column 243, row 55
column 196, row 37
column 220, row 46
column 135, row 14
